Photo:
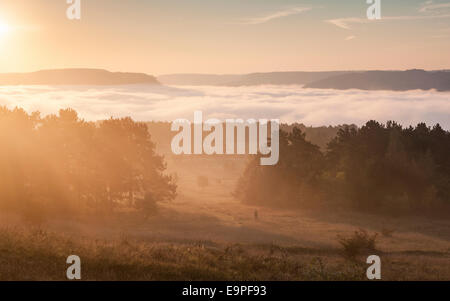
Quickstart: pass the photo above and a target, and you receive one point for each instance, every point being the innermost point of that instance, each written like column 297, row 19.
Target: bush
column 359, row 243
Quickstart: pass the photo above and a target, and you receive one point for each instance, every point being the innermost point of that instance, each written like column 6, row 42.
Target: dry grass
column 205, row 234
column 40, row 255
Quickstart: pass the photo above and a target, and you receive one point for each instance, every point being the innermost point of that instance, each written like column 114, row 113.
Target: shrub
column 358, row 243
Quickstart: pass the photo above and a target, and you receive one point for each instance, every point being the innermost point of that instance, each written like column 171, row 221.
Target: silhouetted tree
column 62, row 163
column 376, row 167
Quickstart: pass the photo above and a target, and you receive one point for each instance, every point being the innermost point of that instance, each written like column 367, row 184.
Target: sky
column 224, row 36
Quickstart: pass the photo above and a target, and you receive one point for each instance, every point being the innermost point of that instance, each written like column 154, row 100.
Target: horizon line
column 223, row 74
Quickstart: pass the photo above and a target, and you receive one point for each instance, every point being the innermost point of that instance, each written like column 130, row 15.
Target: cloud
column 276, row 15
column 429, row 6
column 313, row 107
column 346, row 23
column 350, row 38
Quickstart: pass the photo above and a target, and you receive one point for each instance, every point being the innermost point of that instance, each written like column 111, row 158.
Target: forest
column 382, row 168
column 61, row 165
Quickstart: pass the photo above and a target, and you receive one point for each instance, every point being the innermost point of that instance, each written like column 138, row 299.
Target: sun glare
column 4, row 29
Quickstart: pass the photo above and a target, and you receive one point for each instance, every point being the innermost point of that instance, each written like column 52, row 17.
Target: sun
column 4, row 29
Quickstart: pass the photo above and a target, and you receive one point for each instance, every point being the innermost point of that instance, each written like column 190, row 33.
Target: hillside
column 387, row 80
column 76, row 77
column 205, row 234
column 252, row 79
column 191, row 79
column 341, row 80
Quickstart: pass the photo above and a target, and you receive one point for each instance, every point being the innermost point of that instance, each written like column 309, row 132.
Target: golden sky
column 223, row 36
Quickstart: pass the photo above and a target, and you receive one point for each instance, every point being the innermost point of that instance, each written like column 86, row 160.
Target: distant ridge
column 252, row 79
column 341, row 80
column 193, row 79
column 76, row 77
column 387, row 80
column 364, row 80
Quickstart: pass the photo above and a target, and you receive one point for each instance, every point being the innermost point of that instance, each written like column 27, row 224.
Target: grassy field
column 41, row 255
column 205, row 234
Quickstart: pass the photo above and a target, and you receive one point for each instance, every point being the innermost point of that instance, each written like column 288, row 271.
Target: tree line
column 378, row 167
column 62, row 164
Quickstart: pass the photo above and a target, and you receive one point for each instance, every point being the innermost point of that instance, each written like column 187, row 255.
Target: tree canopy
column 375, row 167
column 63, row 163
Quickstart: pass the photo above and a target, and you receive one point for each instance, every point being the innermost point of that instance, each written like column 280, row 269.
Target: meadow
column 206, row 234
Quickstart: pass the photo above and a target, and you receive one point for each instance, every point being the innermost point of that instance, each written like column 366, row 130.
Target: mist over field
column 314, row 107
